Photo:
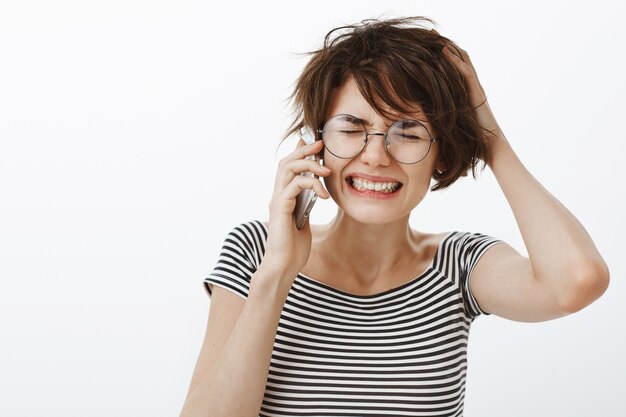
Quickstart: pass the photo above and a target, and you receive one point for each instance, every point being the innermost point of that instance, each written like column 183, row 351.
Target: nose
column 375, row 152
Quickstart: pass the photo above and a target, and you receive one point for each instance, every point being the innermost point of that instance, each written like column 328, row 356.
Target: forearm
column 236, row 384
column 559, row 248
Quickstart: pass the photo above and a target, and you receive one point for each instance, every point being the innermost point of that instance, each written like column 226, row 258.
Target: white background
column 135, row 134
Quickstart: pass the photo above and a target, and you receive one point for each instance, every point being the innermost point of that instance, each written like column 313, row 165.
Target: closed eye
column 412, row 137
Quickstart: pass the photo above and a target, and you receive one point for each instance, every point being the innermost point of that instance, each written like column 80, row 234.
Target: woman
column 365, row 315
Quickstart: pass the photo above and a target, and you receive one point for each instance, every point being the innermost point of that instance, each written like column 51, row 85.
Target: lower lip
column 372, row 194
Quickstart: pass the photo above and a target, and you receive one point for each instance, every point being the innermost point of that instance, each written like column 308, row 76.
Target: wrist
column 271, row 279
column 496, row 144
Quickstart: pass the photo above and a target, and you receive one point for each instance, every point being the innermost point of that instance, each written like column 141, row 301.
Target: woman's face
column 375, row 165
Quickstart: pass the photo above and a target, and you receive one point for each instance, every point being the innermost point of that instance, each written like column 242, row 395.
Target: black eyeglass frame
column 384, row 135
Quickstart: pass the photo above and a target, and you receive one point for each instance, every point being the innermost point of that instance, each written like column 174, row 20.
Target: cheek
column 332, row 182
column 420, row 182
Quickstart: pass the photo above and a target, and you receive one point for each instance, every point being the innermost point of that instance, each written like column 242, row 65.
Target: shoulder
column 257, row 227
column 245, row 244
column 462, row 248
column 466, row 240
column 250, row 236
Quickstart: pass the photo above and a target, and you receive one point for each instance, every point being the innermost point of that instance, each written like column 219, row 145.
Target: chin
column 372, row 215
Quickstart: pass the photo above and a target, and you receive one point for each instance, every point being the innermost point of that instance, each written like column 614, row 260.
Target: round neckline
column 430, row 267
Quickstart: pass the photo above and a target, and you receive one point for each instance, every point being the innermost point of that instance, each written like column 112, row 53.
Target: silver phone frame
column 305, row 200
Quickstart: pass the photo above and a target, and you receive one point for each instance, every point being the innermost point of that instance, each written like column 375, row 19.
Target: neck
column 369, row 250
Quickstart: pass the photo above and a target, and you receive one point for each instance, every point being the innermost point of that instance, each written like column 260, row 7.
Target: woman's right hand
column 288, row 248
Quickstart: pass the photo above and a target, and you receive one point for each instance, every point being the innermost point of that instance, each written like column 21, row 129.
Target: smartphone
column 306, row 199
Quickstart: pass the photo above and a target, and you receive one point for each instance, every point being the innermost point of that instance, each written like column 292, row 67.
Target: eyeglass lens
column 408, row 141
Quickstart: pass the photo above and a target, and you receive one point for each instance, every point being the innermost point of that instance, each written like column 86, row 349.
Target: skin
column 562, row 274
column 370, row 246
column 384, row 250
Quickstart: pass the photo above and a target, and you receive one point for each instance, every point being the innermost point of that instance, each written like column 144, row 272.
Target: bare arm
column 234, row 383
column 564, row 272
column 231, row 373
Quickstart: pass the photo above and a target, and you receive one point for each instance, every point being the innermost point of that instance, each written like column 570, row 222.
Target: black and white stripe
column 402, row 352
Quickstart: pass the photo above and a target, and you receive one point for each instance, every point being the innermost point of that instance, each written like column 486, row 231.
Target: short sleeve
column 239, row 258
column 471, row 247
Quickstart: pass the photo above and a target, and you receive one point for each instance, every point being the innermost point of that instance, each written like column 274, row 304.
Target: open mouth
column 363, row 185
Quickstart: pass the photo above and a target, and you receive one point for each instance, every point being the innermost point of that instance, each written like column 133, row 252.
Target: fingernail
column 325, row 168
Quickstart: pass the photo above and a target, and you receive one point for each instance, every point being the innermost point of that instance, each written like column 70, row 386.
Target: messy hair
column 395, row 63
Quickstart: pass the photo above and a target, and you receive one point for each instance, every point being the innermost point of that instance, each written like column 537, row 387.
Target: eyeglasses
column 406, row 141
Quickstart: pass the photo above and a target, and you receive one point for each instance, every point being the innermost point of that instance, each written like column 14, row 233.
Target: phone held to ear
column 306, row 199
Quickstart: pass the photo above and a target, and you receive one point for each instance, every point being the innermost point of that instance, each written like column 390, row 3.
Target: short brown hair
column 395, row 62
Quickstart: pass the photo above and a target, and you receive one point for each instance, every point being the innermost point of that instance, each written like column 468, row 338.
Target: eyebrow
column 369, row 124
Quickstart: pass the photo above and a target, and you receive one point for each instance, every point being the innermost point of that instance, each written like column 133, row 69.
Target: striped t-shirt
column 401, row 352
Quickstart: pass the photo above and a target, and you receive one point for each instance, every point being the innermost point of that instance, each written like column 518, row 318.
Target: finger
column 467, row 60
column 461, row 65
column 290, row 169
column 286, row 199
column 452, row 49
column 300, row 166
column 460, row 56
column 468, row 72
column 459, row 51
column 301, row 183
column 282, row 177
column 452, row 52
column 303, row 151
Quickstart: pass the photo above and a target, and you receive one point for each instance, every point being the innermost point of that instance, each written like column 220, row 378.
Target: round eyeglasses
column 406, row 141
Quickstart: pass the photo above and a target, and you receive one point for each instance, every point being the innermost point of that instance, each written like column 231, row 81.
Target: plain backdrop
column 135, row 134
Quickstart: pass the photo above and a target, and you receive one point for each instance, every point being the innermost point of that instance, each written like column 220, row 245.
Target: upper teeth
column 374, row 186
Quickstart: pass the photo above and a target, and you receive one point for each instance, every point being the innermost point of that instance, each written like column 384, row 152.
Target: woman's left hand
column 462, row 62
